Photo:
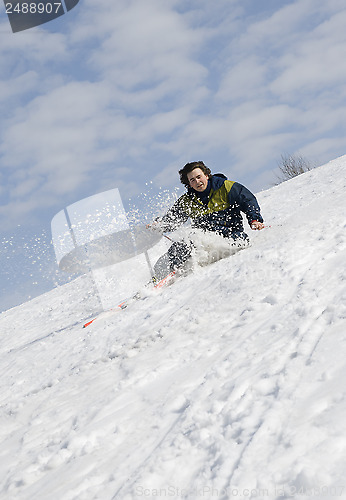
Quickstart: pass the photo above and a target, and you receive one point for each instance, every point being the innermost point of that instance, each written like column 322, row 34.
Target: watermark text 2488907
column 24, row 14
column 33, row 8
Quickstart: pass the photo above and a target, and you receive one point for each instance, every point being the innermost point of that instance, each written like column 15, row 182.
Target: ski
column 164, row 282
column 157, row 284
column 111, row 311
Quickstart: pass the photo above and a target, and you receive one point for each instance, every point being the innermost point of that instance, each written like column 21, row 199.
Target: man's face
column 198, row 180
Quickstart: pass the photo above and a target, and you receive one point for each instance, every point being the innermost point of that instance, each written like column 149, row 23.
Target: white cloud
column 316, row 61
column 242, row 80
column 31, row 48
column 18, row 86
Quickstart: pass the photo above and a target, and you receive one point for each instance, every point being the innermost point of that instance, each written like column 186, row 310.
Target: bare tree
column 292, row 165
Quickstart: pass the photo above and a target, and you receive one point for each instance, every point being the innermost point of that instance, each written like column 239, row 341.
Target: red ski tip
column 126, row 302
column 88, row 323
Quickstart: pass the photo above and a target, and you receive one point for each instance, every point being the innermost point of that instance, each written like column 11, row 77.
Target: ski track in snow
column 230, row 383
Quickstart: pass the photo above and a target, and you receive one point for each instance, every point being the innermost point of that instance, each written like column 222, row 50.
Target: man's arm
column 248, row 204
column 174, row 218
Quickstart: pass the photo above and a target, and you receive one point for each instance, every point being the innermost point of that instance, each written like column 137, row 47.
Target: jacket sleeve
column 174, row 218
column 247, row 202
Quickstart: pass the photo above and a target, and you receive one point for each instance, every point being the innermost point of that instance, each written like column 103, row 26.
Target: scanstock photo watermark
column 24, row 15
column 278, row 491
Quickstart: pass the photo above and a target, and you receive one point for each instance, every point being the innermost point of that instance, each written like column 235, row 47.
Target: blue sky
column 122, row 93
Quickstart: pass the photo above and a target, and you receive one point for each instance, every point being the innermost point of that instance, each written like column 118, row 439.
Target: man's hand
column 153, row 225
column 256, row 225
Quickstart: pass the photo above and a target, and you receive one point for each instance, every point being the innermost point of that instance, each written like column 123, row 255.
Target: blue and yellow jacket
column 219, row 211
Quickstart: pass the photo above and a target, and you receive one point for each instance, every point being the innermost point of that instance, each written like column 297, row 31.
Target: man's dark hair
column 191, row 166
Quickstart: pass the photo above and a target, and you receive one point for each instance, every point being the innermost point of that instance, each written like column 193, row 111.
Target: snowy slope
column 230, row 383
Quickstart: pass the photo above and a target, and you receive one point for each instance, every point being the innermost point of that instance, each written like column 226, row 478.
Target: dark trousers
column 179, row 251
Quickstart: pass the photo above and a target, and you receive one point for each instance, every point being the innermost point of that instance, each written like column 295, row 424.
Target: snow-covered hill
column 230, row 383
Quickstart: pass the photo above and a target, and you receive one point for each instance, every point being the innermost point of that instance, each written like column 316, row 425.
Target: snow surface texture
column 228, row 384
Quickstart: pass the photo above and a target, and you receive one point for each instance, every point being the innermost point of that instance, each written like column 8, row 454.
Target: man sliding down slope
column 214, row 205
